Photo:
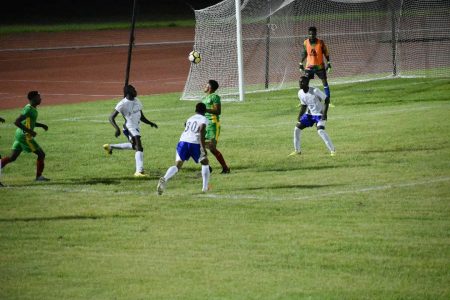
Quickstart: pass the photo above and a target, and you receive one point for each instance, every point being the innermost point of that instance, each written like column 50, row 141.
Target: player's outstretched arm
column 147, row 121
column 112, row 120
column 45, row 127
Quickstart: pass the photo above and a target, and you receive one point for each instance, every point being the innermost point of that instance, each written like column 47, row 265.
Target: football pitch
column 373, row 222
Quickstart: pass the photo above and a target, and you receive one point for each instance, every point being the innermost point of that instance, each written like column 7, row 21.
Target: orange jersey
column 315, row 53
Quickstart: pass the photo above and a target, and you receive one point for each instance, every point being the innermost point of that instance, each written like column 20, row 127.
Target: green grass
column 370, row 223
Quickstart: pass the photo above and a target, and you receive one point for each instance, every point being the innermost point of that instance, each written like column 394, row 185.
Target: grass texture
column 369, row 223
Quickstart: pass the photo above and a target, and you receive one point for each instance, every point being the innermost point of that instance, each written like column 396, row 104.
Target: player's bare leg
column 211, row 145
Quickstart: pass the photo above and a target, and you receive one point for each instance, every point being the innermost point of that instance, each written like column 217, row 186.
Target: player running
column 191, row 144
column 24, row 137
column 314, row 50
column 131, row 109
column 311, row 102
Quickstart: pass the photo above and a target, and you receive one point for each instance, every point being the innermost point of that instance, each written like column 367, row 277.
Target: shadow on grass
column 89, row 181
column 64, row 218
column 288, row 186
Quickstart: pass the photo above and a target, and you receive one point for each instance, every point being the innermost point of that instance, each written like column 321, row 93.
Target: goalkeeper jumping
column 314, row 50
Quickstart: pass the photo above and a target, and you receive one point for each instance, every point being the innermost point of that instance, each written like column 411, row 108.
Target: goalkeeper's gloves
column 329, row 67
column 301, row 67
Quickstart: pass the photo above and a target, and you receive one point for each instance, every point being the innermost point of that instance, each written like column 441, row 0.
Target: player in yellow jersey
column 24, row 137
column 314, row 51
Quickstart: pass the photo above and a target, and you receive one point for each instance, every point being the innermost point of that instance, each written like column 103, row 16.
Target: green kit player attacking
column 24, row 138
column 213, row 111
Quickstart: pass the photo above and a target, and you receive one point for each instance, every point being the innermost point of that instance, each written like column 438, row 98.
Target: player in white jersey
column 312, row 111
column 131, row 109
column 191, row 144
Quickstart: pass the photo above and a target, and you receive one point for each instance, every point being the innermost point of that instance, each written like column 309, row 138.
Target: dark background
column 66, row 11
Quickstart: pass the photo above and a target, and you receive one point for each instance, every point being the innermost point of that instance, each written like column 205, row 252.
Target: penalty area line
column 328, row 194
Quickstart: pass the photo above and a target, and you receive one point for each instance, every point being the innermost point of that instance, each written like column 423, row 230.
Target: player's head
column 312, row 33
column 212, row 86
column 34, row 97
column 304, row 83
column 130, row 92
column 200, row 108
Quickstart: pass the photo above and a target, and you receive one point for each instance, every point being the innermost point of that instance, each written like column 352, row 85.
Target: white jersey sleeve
column 191, row 133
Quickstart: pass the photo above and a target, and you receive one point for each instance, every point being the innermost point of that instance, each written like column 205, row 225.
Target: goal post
column 255, row 45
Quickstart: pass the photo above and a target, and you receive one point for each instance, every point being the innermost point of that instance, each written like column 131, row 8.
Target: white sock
column 205, row 176
column 123, row 146
column 170, row 172
column 139, row 156
column 297, row 132
column 326, row 139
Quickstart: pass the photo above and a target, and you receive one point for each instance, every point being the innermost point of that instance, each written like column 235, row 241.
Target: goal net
column 367, row 39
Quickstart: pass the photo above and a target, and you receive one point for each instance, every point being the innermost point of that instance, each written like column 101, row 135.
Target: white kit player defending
column 312, row 111
column 191, row 144
column 131, row 109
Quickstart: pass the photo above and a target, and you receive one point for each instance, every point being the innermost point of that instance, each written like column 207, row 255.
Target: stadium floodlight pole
column 239, row 49
column 130, row 45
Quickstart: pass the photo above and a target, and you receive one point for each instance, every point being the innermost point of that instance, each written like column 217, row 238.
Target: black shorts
column 322, row 74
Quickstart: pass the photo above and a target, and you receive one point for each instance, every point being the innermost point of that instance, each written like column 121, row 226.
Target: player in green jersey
column 24, row 137
column 213, row 111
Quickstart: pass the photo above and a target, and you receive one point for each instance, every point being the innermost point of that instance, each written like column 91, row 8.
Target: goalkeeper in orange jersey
column 314, row 50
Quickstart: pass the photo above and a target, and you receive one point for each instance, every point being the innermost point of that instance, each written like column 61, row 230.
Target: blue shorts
column 309, row 120
column 187, row 150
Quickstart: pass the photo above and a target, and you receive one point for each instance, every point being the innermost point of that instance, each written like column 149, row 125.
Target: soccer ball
column 194, row 57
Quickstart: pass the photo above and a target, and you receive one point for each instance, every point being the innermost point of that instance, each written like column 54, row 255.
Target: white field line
column 316, row 196
column 170, row 43
column 302, row 196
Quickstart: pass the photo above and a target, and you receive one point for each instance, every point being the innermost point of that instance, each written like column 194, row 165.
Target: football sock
column 205, row 176
column 326, row 89
column 5, row 161
column 39, row 167
column 122, row 146
column 326, row 139
column 297, row 132
column 171, row 172
column 139, row 156
column 221, row 160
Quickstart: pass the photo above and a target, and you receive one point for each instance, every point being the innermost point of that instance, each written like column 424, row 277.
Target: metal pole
column 130, row 45
column 239, row 50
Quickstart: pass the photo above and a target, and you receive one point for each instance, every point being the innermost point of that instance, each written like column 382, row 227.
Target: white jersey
column 191, row 133
column 131, row 111
column 313, row 100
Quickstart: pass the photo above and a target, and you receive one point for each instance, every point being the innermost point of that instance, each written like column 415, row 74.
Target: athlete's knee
column 320, row 129
column 40, row 154
column 139, row 148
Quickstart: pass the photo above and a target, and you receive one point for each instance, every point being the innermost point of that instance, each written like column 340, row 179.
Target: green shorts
column 213, row 132
column 25, row 143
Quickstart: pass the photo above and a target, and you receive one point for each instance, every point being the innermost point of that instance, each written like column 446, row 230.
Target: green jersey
column 31, row 115
column 24, row 141
column 210, row 101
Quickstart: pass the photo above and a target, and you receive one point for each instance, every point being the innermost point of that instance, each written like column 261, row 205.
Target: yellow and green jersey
column 210, row 101
column 31, row 115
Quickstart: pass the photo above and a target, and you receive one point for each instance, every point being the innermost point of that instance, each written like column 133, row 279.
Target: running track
column 73, row 67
